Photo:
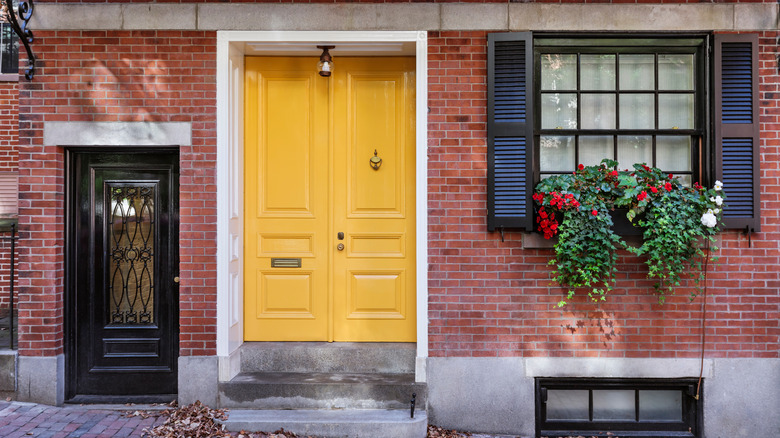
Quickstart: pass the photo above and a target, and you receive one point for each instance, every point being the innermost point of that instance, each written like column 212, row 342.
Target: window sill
column 9, row 77
column 534, row 240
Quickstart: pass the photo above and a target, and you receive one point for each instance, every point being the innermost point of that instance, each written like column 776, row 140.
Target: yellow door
column 329, row 233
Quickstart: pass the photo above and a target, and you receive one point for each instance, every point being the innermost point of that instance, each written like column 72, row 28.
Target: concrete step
column 328, row 357
column 274, row 390
column 371, row 423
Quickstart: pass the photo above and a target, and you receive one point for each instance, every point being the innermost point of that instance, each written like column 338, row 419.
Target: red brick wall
column 9, row 126
column 156, row 76
column 493, row 298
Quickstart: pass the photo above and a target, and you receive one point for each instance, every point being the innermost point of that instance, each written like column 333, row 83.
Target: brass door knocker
column 375, row 161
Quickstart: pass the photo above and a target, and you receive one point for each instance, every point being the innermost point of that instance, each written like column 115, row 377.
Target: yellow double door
column 329, row 219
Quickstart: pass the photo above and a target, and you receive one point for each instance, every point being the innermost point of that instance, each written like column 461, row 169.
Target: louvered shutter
column 9, row 188
column 510, row 130
column 737, row 155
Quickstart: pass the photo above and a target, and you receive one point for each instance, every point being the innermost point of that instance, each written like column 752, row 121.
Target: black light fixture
column 325, row 66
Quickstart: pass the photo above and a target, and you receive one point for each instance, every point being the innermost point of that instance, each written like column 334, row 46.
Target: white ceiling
column 341, row 49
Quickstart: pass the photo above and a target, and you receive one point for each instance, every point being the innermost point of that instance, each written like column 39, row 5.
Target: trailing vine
column 675, row 220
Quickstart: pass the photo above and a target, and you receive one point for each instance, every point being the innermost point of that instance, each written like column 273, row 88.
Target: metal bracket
column 749, row 231
column 25, row 35
column 414, row 401
column 501, row 230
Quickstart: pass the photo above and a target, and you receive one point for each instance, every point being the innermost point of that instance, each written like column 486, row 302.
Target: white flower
column 718, row 201
column 709, row 220
column 718, row 186
column 716, row 211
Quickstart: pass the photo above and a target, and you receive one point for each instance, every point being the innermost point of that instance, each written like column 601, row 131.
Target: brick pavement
column 22, row 420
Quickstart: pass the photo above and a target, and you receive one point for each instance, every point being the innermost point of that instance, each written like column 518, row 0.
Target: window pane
column 634, row 149
column 559, row 111
column 673, row 153
column 598, row 111
column 9, row 44
column 614, row 404
column 597, row 72
column 637, row 72
column 559, row 72
column 637, row 111
column 593, row 149
column 660, row 405
column 685, row 180
column 556, row 153
column 675, row 72
column 675, row 111
column 564, row 404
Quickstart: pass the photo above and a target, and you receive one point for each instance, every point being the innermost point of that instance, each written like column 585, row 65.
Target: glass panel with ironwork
column 131, row 252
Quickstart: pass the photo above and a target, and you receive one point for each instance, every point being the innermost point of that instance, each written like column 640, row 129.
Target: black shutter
column 737, row 128
column 510, row 131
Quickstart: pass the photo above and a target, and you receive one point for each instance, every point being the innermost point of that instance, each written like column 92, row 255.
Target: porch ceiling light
column 325, row 66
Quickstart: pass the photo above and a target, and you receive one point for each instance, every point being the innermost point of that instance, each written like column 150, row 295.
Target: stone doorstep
column 321, row 391
column 328, row 357
column 353, row 423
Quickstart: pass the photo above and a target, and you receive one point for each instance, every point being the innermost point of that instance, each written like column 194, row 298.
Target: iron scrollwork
column 25, row 12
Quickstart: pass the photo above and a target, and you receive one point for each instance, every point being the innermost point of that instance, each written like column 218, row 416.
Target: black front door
column 122, row 298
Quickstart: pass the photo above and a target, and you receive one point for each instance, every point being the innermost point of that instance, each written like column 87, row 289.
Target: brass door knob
column 340, row 247
column 175, row 279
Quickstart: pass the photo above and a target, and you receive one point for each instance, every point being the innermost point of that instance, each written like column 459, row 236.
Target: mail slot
column 285, row 263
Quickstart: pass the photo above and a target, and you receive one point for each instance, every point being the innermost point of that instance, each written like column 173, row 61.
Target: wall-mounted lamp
column 325, row 66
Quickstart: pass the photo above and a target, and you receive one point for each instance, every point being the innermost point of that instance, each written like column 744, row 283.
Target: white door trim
column 231, row 47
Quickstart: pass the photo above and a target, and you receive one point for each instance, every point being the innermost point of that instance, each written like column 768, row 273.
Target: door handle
column 340, row 247
column 176, row 279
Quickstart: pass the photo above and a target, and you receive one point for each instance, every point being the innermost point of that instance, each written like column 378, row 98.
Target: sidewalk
column 19, row 420
column 22, row 420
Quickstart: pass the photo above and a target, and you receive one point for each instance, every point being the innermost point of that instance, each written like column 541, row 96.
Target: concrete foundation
column 7, row 371
column 198, row 379
column 496, row 395
column 41, row 379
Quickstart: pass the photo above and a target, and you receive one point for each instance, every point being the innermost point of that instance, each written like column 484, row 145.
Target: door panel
column 374, row 279
column 308, row 177
column 286, row 207
column 123, row 257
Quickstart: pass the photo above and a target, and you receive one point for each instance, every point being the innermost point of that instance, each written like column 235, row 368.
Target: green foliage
column 676, row 220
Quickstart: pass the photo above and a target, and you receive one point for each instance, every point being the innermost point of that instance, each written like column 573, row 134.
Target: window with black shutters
column 628, row 100
column 687, row 104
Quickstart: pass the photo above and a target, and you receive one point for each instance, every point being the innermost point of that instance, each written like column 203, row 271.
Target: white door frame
column 231, row 47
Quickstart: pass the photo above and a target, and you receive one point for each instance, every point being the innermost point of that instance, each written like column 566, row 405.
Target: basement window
column 618, row 407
